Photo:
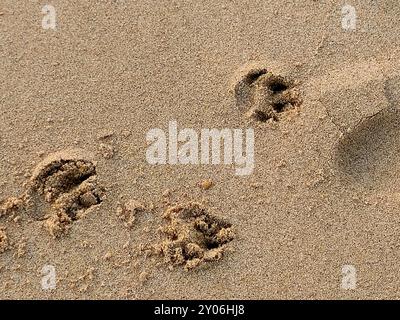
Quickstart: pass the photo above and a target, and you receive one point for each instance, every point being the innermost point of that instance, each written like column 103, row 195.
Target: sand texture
column 79, row 197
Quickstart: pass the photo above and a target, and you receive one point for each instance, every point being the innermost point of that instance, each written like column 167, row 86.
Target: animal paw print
column 193, row 236
column 265, row 96
column 67, row 183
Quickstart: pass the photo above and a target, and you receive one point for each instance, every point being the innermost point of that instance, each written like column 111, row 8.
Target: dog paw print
column 67, row 185
column 265, row 96
column 193, row 236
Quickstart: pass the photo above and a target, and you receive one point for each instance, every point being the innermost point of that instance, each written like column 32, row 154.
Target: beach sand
column 80, row 198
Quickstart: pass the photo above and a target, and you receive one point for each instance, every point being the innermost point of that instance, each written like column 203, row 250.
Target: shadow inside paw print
column 265, row 96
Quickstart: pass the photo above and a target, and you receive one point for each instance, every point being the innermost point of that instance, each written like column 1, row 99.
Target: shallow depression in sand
column 193, row 236
column 369, row 154
column 63, row 186
column 264, row 96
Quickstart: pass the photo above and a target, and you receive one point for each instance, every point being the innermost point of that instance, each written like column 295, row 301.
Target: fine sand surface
column 78, row 196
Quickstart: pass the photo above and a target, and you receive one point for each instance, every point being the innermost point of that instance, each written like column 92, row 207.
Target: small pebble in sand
column 206, row 184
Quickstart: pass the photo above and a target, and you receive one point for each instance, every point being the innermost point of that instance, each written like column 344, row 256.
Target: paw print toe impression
column 264, row 96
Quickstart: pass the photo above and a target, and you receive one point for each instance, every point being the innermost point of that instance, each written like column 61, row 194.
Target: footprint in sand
column 193, row 236
column 370, row 152
column 62, row 188
column 263, row 95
